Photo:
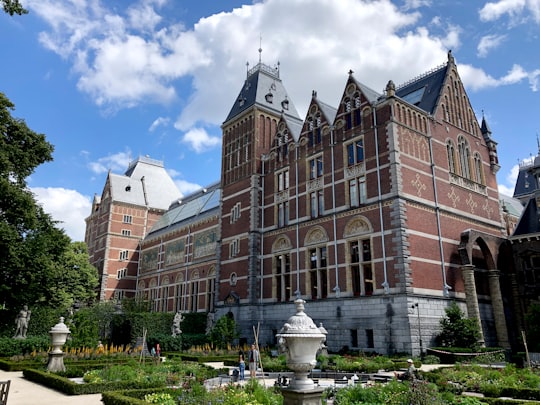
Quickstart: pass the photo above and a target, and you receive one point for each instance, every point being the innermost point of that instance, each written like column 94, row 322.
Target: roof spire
column 538, row 143
column 260, row 47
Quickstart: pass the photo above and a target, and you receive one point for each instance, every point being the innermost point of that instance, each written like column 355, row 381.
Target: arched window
column 464, row 157
column 478, row 169
column 451, row 153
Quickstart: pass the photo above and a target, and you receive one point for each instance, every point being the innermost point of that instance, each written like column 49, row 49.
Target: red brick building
column 379, row 211
column 128, row 207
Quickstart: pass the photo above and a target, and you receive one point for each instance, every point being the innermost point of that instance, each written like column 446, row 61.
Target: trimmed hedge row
column 131, row 397
column 69, row 387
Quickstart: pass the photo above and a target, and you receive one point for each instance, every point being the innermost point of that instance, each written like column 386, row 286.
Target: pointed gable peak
column 263, row 88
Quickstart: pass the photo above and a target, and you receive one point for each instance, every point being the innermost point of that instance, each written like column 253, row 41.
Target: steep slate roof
column 424, row 91
column 145, row 183
column 513, row 205
column 262, row 80
column 295, row 126
column 526, row 183
column 328, row 111
column 529, row 223
column 198, row 205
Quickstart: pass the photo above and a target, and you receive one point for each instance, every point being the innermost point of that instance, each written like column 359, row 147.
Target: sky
column 110, row 80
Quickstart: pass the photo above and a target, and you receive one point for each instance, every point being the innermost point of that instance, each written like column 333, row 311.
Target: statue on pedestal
column 176, row 331
column 23, row 317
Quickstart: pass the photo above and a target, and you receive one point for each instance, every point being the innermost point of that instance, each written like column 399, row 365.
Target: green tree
column 13, row 7
column 224, row 332
column 39, row 266
column 457, row 330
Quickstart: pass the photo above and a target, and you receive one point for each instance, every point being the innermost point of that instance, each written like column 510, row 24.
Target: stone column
column 498, row 308
column 473, row 311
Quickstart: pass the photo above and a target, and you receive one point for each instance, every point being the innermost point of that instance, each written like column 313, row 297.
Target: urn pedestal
column 59, row 334
column 300, row 340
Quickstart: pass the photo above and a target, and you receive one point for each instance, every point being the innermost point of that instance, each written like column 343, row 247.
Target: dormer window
column 285, row 104
column 269, row 97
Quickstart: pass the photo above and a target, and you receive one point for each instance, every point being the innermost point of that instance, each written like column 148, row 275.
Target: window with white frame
column 355, row 152
column 361, row 267
column 126, row 232
column 282, row 277
column 318, row 272
column 236, row 212
column 123, row 255
column 128, row 219
column 316, row 167
column 234, row 248
column 317, row 203
column 283, row 213
column 282, row 180
column 121, row 273
column 357, row 191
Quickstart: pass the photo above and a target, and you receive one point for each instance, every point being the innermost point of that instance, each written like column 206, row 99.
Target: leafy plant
column 458, row 331
column 224, row 332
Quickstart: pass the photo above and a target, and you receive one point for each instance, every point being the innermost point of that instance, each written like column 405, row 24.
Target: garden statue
column 22, row 323
column 176, row 331
column 209, row 322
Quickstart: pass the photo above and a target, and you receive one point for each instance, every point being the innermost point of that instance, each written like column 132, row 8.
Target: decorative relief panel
column 468, row 184
column 205, row 244
column 149, row 260
column 282, row 243
column 357, row 226
column 281, row 196
column 355, row 171
column 174, row 252
column 471, row 203
column 315, row 184
column 315, row 236
column 413, row 144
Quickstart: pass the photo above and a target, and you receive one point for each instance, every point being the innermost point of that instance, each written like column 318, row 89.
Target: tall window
column 317, row 203
column 357, row 191
column 283, row 213
column 315, row 133
column 318, row 272
column 478, row 171
column 283, row 180
column 361, row 267
column 464, row 157
column 355, row 152
column 316, row 167
column 121, row 273
column 450, row 151
column 123, row 255
column 128, row 219
column 194, row 306
column 234, row 248
column 283, row 146
column 282, row 277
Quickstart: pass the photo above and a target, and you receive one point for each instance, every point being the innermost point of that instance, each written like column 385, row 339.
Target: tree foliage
column 224, row 332
column 457, row 330
column 39, row 266
column 13, row 7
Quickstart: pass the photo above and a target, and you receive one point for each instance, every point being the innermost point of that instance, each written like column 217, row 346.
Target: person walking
column 253, row 361
column 241, row 365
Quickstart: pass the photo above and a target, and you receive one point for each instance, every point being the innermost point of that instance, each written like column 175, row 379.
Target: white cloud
column 160, row 121
column 67, row 206
column 117, row 162
column 186, row 187
column 199, row 140
column 489, row 42
column 513, row 8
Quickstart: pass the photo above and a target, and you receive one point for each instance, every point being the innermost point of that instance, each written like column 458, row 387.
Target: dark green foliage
column 224, row 332
column 12, row 7
column 458, row 331
column 14, row 347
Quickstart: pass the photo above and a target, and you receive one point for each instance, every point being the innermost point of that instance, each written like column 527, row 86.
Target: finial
column 450, row 57
column 538, row 142
column 314, row 94
column 260, row 47
column 350, row 72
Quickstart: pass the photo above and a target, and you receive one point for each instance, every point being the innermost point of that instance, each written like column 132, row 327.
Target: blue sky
column 107, row 81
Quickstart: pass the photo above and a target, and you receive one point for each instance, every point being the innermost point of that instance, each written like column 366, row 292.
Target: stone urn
column 300, row 340
column 59, row 334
